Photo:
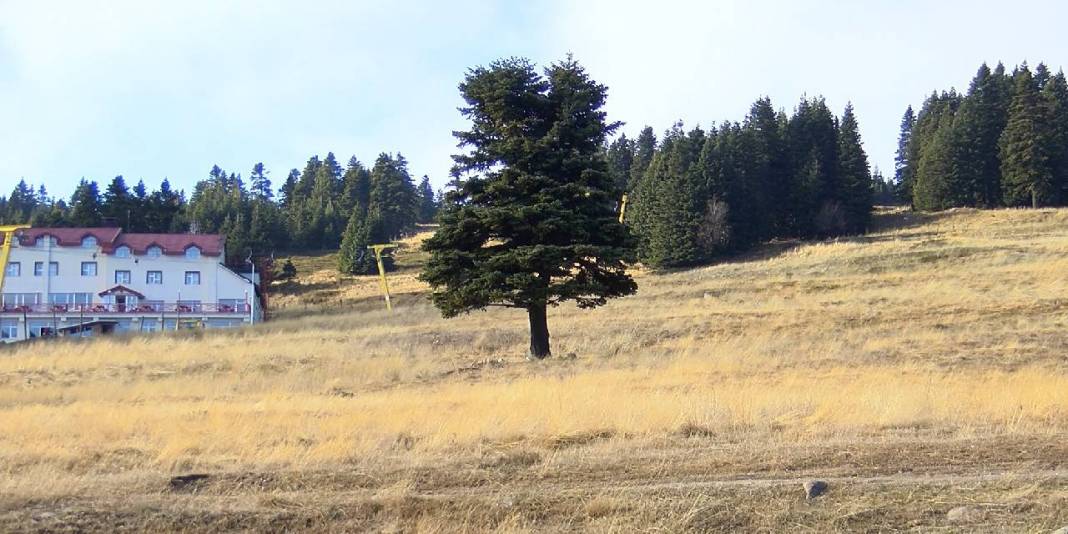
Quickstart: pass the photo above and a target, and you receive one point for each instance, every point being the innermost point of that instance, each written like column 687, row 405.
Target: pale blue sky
column 167, row 89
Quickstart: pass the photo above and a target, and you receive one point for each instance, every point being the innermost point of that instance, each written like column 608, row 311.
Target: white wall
column 216, row 281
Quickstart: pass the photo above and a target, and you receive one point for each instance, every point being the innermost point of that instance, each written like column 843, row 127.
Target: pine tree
column 644, row 147
column 620, row 156
column 812, row 137
column 1055, row 97
column 289, row 271
column 670, row 202
column 904, row 170
column 356, row 191
column 428, row 207
column 21, row 203
column 1025, row 147
column 932, row 136
column 773, row 192
column 977, row 128
column 85, row 209
column 118, row 203
column 534, row 224
column 854, row 174
column 288, row 187
column 393, row 196
column 260, row 185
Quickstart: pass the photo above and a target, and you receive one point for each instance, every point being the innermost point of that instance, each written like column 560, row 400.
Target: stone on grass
column 815, row 488
column 965, row 514
column 188, row 482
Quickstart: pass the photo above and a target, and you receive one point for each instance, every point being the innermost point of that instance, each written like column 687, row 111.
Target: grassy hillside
column 918, row 369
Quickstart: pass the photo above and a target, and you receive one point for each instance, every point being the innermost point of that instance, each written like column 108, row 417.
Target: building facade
column 84, row 281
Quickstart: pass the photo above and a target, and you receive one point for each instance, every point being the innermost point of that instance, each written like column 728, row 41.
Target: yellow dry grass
column 951, row 326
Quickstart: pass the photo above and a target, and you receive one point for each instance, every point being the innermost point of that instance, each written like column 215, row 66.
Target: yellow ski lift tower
column 5, row 249
column 382, row 270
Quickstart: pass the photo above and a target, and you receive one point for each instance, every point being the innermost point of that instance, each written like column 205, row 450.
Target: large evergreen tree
column 977, row 128
column 85, row 208
column 1025, row 146
column 428, row 206
column 904, row 170
column 534, row 223
column 854, row 174
column 118, row 204
column 644, row 148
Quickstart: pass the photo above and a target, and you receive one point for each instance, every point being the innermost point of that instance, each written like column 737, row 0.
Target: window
column 9, row 330
column 70, row 298
column 122, row 277
column 192, row 253
column 192, row 278
column 122, row 252
column 14, row 268
column 38, row 268
column 149, row 325
column 154, row 277
column 88, row 241
column 20, row 299
column 154, row 252
column 88, row 268
column 45, row 241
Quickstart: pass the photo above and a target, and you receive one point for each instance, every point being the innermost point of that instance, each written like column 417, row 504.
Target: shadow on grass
column 884, row 220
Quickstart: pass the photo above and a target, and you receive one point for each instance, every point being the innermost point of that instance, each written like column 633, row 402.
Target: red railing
column 169, row 308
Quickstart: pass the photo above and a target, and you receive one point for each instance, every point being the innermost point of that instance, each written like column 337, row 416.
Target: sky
column 154, row 89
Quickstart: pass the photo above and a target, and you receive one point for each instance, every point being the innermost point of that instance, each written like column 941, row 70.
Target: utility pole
column 382, row 270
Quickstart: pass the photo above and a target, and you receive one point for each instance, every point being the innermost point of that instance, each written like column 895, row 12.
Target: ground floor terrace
column 35, row 321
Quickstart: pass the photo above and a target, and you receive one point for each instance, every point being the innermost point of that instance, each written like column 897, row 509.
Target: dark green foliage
column 812, row 137
column 931, row 151
column 118, row 204
column 289, row 271
column 644, row 147
column 669, row 202
column 1002, row 144
column 1055, row 97
column 533, row 223
column 354, row 256
column 904, row 170
column 85, row 208
column 621, row 156
column 1027, row 146
column 977, row 128
column 428, row 205
column 854, row 175
column 704, row 194
column 393, row 197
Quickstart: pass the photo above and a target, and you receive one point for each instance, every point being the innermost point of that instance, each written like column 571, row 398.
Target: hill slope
column 918, row 369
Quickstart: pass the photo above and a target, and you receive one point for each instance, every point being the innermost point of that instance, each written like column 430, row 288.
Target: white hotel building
column 87, row 281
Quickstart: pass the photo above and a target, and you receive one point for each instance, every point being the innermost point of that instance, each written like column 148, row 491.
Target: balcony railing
column 168, row 308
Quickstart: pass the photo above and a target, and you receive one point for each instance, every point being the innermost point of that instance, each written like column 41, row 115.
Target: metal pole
column 382, row 273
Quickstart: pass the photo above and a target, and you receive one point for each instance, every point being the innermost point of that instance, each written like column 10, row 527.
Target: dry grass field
column 922, row 370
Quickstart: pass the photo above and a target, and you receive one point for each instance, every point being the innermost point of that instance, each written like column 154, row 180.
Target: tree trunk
column 539, row 332
column 1034, row 199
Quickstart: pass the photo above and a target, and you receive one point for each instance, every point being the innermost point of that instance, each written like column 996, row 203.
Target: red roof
column 172, row 244
column 111, row 238
column 69, row 237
